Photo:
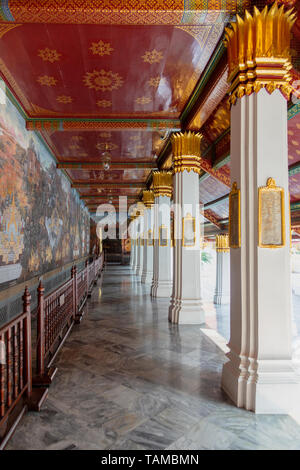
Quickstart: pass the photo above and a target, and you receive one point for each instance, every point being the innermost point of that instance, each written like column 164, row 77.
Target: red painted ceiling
column 139, row 65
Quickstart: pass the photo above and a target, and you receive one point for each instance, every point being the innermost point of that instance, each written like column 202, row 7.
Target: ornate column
column 141, row 241
column 186, row 302
column 147, row 274
column 132, row 240
column 222, row 292
column 162, row 262
column 259, row 375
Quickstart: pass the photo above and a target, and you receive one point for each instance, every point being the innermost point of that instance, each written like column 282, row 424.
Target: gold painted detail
column 235, row 217
column 154, row 81
column 143, row 100
column 258, row 52
column 49, row 55
column 186, row 151
column 271, row 216
column 148, row 198
column 153, row 56
column 102, row 80
column 6, row 27
column 106, row 146
column 46, row 80
column 162, row 183
column 222, row 243
column 64, row 99
column 104, row 103
column 101, row 48
column 105, row 135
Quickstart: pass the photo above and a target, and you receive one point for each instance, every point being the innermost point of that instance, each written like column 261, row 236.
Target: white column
column 147, row 274
column 186, row 302
column 222, row 291
column 296, row 274
column 138, row 245
column 259, row 375
column 132, row 244
column 162, row 253
column 135, row 247
column 140, row 266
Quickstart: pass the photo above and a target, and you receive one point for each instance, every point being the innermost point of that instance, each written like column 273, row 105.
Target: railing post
column 27, row 346
column 75, row 298
column 95, row 271
column 40, row 332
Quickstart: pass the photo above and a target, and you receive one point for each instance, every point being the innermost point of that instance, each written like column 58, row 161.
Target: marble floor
column 128, row 380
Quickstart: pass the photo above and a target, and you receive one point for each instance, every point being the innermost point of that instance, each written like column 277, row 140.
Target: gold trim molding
column 162, row 183
column 234, row 227
column 259, row 52
column 186, row 151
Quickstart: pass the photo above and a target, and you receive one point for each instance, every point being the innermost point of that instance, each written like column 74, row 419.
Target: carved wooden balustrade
column 56, row 314
column 16, row 394
column 55, row 319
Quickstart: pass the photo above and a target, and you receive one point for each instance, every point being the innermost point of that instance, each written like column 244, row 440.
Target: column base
column 221, row 299
column 137, row 270
column 186, row 312
column 273, row 388
column 147, row 278
column 162, row 289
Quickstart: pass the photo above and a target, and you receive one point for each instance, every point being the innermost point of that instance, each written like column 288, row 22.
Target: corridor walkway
column 129, row 380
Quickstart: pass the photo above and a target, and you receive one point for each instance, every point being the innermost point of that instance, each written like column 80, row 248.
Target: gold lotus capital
column 222, row 243
column 162, row 183
column 187, row 151
column 258, row 49
column 148, row 198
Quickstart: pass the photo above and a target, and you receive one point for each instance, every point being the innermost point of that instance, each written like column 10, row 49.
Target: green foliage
column 206, row 257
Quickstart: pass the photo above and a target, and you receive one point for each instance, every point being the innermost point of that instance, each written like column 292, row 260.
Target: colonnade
column 259, row 374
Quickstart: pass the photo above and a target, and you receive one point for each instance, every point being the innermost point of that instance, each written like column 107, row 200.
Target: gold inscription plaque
column 188, row 230
column 172, row 230
column 163, row 235
column 150, row 238
column 234, row 217
column 271, row 223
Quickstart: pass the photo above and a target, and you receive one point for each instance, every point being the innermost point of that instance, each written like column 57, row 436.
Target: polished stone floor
column 129, row 380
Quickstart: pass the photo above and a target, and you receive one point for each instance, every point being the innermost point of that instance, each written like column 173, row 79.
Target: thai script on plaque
column 163, row 235
column 271, row 225
column 188, row 230
column 150, row 238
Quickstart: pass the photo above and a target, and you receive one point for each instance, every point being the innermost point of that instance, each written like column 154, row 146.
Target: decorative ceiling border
column 99, row 124
column 90, row 165
column 141, row 12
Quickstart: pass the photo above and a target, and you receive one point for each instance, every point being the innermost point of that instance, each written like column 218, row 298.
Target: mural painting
column 43, row 223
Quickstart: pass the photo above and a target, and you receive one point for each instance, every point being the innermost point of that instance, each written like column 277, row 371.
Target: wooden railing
column 56, row 314
column 16, row 394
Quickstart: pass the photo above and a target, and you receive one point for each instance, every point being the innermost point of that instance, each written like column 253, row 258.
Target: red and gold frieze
column 145, row 12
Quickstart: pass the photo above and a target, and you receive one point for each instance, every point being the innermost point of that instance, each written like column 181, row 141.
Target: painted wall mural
column 43, row 223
